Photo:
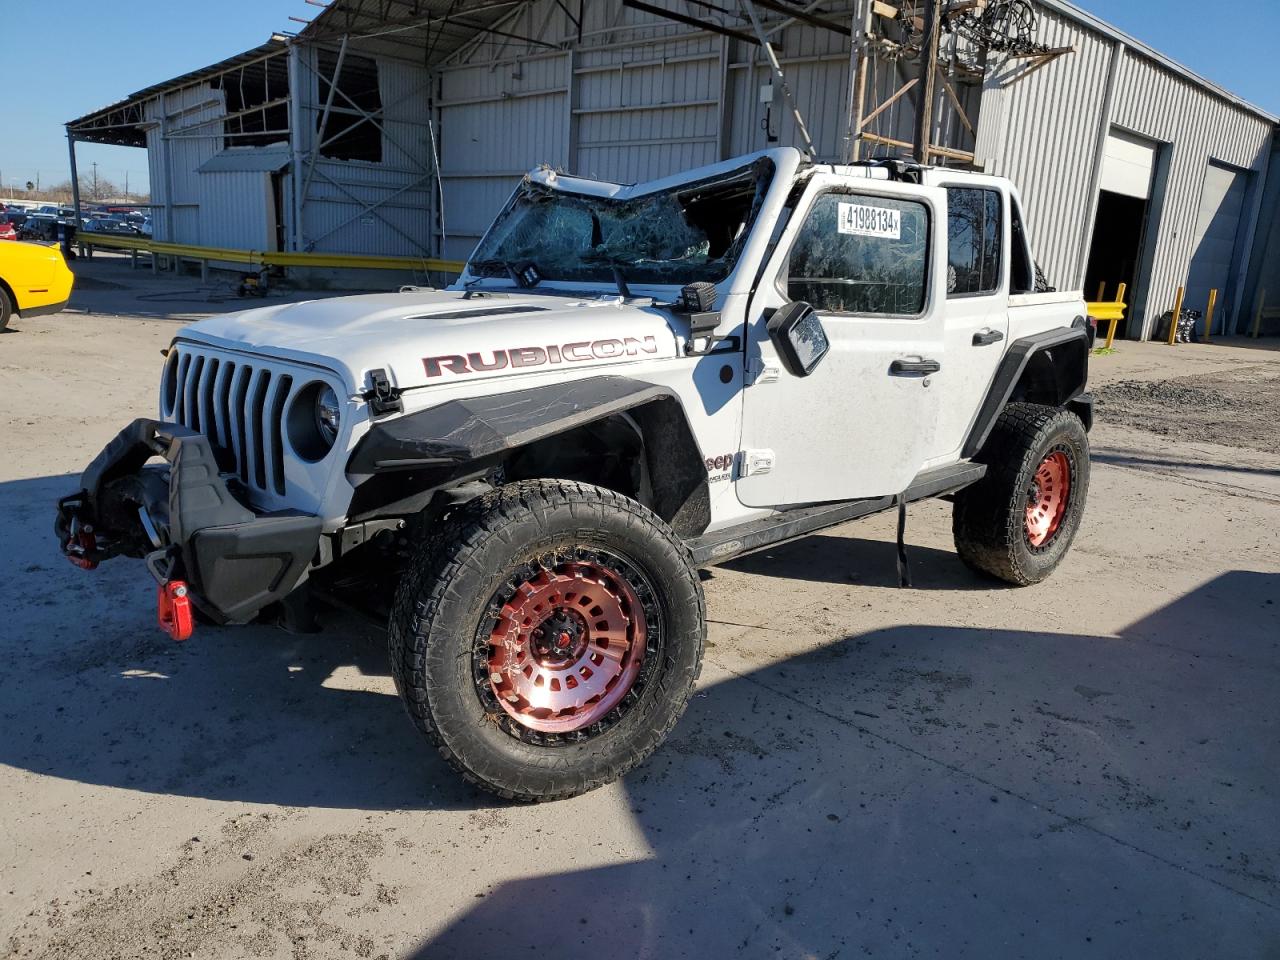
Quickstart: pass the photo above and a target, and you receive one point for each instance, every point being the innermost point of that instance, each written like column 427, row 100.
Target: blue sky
column 114, row 47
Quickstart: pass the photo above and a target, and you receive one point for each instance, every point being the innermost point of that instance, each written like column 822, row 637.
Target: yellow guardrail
column 1109, row 310
column 270, row 258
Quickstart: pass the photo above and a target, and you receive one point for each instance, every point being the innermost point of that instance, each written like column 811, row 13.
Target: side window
column 1024, row 274
column 974, row 231
column 861, row 254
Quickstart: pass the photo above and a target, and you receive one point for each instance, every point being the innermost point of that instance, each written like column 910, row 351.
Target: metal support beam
column 782, row 79
column 859, row 49
column 924, row 112
column 75, row 177
column 295, row 147
column 324, row 120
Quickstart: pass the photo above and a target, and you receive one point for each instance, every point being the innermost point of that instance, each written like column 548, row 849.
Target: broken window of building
column 352, row 128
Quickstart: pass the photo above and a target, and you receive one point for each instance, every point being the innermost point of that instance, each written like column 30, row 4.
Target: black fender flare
column 1067, row 351
column 445, row 443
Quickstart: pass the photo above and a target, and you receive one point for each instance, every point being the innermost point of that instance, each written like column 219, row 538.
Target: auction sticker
column 862, row 220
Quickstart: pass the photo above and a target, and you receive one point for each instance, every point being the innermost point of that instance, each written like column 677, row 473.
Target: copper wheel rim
column 566, row 647
column 1047, row 498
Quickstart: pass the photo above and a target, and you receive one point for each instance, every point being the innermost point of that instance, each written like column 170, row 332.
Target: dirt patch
column 1237, row 408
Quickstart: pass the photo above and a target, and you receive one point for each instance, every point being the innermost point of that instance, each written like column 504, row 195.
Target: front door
column 867, row 257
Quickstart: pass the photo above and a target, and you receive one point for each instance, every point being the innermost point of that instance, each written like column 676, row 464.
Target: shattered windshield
column 694, row 231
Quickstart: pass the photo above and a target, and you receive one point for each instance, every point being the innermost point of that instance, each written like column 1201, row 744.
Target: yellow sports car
column 34, row 280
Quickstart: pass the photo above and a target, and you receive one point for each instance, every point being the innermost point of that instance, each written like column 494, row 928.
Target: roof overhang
column 423, row 31
column 124, row 123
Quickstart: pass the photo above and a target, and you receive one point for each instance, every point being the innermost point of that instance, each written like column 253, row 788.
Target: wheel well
column 1054, row 375
column 13, row 300
column 647, row 453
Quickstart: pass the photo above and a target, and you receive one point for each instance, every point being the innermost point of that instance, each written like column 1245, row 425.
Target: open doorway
column 1115, row 249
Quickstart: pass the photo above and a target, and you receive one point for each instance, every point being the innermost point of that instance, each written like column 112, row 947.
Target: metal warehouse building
column 399, row 128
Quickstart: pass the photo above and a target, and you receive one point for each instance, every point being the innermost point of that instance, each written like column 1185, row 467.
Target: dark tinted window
column 973, row 241
column 861, row 254
column 1024, row 274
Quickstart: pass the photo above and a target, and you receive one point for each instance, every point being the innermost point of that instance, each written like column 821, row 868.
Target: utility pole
column 929, row 64
column 96, row 194
column 126, row 186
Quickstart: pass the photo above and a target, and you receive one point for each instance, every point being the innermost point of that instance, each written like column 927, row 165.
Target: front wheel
column 6, row 308
column 1018, row 521
column 547, row 638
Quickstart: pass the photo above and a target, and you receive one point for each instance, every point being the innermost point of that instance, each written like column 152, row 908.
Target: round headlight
column 328, row 414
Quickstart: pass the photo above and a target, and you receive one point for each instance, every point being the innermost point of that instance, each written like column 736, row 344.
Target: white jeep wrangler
column 524, row 472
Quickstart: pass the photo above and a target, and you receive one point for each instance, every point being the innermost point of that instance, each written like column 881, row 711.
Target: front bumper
column 185, row 520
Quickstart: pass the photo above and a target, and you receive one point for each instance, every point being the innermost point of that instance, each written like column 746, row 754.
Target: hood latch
column 383, row 398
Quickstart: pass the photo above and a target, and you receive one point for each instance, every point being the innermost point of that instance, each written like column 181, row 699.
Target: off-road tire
column 988, row 521
column 444, row 600
column 6, row 308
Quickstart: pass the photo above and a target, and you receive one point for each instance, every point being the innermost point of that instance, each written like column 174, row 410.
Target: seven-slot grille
column 237, row 404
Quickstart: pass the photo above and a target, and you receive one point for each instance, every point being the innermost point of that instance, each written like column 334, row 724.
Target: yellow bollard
column 1173, row 320
column 1115, row 321
column 1102, row 291
column 1208, row 314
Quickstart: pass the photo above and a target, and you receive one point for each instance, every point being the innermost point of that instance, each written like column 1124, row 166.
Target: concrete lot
column 1088, row 768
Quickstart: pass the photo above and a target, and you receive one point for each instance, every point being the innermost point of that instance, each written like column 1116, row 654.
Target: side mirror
column 797, row 334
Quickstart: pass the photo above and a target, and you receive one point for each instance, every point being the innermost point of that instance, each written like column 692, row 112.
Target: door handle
column 986, row 337
column 913, row 367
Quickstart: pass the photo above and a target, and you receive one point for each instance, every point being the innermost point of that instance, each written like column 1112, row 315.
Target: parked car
column 34, row 280
column 144, row 228
column 523, row 473
column 7, row 232
column 108, row 225
column 40, row 226
column 15, row 217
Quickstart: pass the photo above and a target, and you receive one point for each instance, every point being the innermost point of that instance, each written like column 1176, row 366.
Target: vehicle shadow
column 95, row 693
column 919, row 789
column 825, row 558
column 930, row 790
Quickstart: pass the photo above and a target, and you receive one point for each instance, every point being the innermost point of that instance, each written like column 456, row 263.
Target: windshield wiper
column 615, row 267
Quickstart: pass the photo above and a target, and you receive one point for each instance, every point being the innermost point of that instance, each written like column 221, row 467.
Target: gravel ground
column 1235, row 407
column 1082, row 769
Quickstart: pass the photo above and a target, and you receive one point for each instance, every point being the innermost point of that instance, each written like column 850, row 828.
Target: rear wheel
column 548, row 637
column 6, row 308
column 1018, row 522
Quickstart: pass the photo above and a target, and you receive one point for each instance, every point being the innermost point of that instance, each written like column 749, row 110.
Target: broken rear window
column 695, row 231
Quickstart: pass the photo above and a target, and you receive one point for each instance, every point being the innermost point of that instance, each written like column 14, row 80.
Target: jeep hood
column 422, row 338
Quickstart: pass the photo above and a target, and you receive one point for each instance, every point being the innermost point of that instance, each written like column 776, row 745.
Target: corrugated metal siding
column 236, row 210
column 1198, row 126
column 185, row 112
column 816, row 64
column 496, row 122
column 647, row 98
column 1042, row 133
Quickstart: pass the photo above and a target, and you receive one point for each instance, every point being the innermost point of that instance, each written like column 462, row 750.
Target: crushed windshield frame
column 599, row 261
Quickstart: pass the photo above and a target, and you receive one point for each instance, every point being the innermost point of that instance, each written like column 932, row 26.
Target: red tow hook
column 174, row 611
column 83, row 543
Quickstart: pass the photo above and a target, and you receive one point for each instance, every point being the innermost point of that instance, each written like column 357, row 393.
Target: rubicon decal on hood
column 520, row 357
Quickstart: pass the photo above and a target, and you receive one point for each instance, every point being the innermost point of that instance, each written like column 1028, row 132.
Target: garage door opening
column 1115, row 249
column 1124, row 204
